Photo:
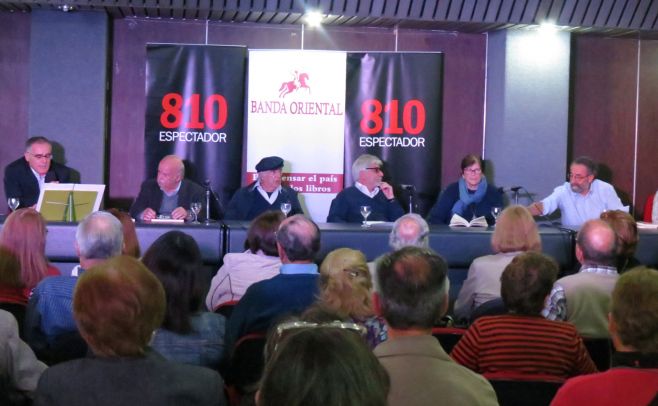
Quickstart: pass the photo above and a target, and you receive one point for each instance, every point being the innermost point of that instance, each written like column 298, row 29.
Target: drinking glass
column 365, row 212
column 196, row 208
column 285, row 208
column 495, row 212
column 13, row 203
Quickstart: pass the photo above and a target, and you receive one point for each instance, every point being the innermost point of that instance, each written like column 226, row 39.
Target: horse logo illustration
column 298, row 83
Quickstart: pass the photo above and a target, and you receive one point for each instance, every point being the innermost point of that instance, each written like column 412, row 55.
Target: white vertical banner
column 296, row 110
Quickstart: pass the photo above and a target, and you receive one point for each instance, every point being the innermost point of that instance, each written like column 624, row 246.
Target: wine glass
column 365, row 212
column 495, row 212
column 13, row 203
column 196, row 208
column 285, row 208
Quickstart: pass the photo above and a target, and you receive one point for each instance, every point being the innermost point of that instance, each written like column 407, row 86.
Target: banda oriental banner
column 195, row 109
column 296, row 110
column 393, row 110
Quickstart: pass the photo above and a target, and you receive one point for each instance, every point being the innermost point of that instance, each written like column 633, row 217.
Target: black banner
column 194, row 109
column 393, row 110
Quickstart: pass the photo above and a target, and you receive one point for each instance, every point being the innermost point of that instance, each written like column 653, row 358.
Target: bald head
column 171, row 171
column 596, row 243
column 298, row 239
column 409, row 230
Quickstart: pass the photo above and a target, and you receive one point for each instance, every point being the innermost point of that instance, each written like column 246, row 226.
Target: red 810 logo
column 215, row 111
column 374, row 114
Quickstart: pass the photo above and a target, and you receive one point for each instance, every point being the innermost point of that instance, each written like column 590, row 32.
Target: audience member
column 516, row 232
column 368, row 190
column 24, row 235
column 323, row 365
column 470, row 197
column 584, row 298
column 49, row 313
column 25, row 177
column 522, row 342
column 187, row 335
column 633, row 378
column 625, row 228
column 414, row 295
column 118, row 305
column 266, row 193
column 242, row 269
column 19, row 368
column 130, row 240
column 290, row 292
column 580, row 199
column 346, row 290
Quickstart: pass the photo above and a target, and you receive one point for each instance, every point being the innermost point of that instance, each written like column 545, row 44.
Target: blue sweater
column 247, row 203
column 345, row 208
column 442, row 210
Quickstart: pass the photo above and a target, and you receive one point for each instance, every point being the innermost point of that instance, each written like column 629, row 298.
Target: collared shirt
column 363, row 189
column 576, row 208
column 175, row 192
column 556, row 306
column 271, row 197
column 297, row 269
column 41, row 179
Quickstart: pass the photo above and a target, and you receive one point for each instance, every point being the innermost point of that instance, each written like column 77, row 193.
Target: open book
column 459, row 221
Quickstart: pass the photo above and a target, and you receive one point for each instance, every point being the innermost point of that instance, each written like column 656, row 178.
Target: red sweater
column 522, row 345
column 10, row 294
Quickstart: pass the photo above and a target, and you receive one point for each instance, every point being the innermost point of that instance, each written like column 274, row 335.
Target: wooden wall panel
column 647, row 156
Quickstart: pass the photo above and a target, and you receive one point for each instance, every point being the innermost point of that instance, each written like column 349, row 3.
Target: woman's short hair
column 469, row 160
column 10, row 269
column 345, row 283
column 516, row 230
column 625, row 228
column 117, row 306
column 24, row 233
column 323, row 366
column 130, row 240
column 262, row 233
column 527, row 281
column 175, row 259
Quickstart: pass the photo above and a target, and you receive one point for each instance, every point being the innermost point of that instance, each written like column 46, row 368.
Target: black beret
column 269, row 163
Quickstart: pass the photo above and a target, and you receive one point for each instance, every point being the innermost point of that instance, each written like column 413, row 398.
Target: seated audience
column 368, row 190
column 583, row 299
column 470, row 197
column 187, row 334
column 290, row 292
column 323, row 365
column 633, row 378
column 118, row 305
column 242, row 269
column 625, row 228
column 346, row 291
column 523, row 342
column 516, row 232
column 19, row 368
column 413, row 297
column 24, row 235
column 130, row 240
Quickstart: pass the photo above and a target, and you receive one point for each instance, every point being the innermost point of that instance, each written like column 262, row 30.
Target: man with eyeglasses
column 582, row 198
column 368, row 190
column 25, row 176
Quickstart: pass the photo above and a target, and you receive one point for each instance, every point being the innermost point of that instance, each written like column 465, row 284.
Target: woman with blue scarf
column 470, row 197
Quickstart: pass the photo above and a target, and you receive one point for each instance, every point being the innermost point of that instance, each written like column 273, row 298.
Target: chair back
column 226, row 308
column 18, row 310
column 493, row 307
column 245, row 366
column 448, row 336
column 600, row 349
column 525, row 391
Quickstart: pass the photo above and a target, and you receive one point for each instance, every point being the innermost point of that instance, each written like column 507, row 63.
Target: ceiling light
column 313, row 18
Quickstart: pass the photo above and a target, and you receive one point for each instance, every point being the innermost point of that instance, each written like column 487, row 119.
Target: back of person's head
column 299, row 237
column 597, row 242
column 130, row 240
column 10, row 269
column 516, row 230
column 625, row 228
column 345, row 283
column 99, row 236
column 634, row 309
column 176, row 260
column 261, row 235
column 323, row 366
column 24, row 234
column 409, row 230
column 527, row 281
column 413, row 288
column 117, row 305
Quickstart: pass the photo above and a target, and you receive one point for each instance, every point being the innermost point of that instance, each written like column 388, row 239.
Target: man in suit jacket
column 168, row 194
column 24, row 176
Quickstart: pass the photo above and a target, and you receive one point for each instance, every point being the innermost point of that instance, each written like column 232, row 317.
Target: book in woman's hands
column 459, row 221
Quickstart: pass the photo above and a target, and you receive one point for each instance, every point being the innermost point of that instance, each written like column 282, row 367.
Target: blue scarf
column 466, row 199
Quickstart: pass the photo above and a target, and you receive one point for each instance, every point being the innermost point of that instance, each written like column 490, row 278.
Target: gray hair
column 362, row 163
column 402, row 235
column 299, row 237
column 99, row 236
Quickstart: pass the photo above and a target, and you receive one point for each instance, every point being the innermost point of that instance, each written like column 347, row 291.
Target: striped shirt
column 514, row 344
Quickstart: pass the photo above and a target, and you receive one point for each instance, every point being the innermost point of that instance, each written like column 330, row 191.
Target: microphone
column 210, row 192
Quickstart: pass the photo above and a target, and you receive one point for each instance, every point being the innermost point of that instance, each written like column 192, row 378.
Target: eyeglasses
column 41, row 156
column 473, row 171
column 376, row 169
column 577, row 177
column 291, row 325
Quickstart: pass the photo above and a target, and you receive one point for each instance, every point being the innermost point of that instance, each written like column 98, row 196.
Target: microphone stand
column 410, row 189
column 210, row 192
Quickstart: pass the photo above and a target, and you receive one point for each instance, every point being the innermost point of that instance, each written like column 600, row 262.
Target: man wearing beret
column 266, row 193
